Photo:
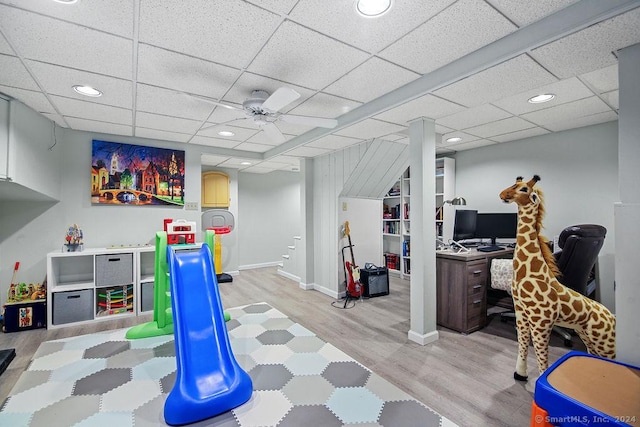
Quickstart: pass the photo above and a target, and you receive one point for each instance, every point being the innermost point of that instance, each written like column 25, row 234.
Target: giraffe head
column 522, row 193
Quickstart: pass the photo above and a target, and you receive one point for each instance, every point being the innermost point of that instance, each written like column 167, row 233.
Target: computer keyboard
column 490, row 248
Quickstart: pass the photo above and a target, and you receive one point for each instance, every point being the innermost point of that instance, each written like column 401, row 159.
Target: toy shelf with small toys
column 25, row 307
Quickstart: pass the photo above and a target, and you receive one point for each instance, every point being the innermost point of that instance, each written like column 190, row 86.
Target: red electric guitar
column 354, row 287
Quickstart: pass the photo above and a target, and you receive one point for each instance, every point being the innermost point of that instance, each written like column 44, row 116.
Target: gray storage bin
column 114, row 269
column 72, row 306
column 146, row 301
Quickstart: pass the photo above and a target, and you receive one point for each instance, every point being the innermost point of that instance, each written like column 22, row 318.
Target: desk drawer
column 475, row 304
column 476, row 288
column 477, row 272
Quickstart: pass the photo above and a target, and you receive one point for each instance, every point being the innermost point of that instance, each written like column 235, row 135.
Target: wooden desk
column 462, row 280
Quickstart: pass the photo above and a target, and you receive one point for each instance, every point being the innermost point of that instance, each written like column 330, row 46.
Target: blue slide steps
column 209, row 380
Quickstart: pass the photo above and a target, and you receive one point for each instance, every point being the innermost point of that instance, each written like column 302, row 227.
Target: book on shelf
column 392, row 261
column 406, row 211
column 406, row 247
column 407, row 266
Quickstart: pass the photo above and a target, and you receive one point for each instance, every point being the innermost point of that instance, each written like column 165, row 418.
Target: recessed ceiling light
column 539, row 99
column 245, row 163
column 66, row 1
column 87, row 91
column 454, row 139
column 226, row 133
column 372, row 8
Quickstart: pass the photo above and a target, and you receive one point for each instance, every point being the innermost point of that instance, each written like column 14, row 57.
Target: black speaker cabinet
column 375, row 281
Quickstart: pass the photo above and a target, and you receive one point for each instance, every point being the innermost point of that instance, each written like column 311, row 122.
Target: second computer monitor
column 464, row 226
column 496, row 226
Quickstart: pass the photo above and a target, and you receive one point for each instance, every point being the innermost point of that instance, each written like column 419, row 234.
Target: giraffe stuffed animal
column 540, row 300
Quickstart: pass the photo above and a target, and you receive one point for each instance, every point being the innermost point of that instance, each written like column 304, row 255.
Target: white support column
column 305, row 254
column 627, row 211
column 422, row 152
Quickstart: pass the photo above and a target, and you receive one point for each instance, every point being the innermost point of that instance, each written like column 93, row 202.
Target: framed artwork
column 126, row 174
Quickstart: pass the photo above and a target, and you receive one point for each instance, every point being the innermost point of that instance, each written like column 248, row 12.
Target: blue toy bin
column 581, row 389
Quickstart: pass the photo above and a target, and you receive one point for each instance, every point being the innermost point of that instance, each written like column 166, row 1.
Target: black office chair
column 580, row 246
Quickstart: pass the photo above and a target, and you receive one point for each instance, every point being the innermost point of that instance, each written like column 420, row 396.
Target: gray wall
column 579, row 171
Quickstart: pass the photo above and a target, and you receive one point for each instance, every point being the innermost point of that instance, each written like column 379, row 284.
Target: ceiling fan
column 262, row 109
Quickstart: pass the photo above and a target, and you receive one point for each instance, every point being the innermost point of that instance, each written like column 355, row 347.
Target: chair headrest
column 582, row 230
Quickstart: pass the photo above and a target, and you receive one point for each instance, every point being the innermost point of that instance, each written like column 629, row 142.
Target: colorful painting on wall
column 125, row 174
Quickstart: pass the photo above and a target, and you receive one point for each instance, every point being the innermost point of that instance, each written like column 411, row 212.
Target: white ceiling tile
column 240, row 134
column 521, row 134
column 339, row 19
column 249, row 146
column 470, row 145
column 612, row 98
column 173, row 103
column 36, row 100
column 511, row 124
column 228, row 32
column 161, row 134
column 70, row 107
column 460, row 29
column 426, row 106
column 325, row 105
column 276, row 6
column 313, row 61
column 473, row 117
column 505, row 79
column 4, row 46
column 569, row 111
column 58, row 80
column 160, row 67
column 213, row 142
column 292, row 128
column 369, row 128
column 594, row 119
column 56, row 118
column 111, row 16
column 248, row 82
column 263, row 139
column 212, row 160
column 565, row 91
column 14, row 74
column 167, row 123
column 257, row 169
column 274, row 165
column 370, row 80
column 235, row 162
column 305, row 151
column 526, row 12
column 97, row 126
column 602, row 80
column 49, row 40
column 223, row 115
column 441, row 129
column 334, row 142
column 591, row 48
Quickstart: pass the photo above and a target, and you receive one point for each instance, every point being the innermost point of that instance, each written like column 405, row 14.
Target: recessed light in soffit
column 87, row 91
column 539, row 99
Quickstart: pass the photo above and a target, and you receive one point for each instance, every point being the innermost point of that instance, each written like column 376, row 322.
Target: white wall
column 579, row 171
column 269, row 216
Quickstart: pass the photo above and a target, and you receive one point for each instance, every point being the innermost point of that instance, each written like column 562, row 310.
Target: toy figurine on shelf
column 73, row 239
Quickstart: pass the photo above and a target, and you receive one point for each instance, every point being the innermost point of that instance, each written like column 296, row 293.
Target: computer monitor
column 496, row 226
column 464, row 226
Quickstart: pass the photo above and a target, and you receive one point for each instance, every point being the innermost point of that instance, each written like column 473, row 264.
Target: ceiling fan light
column 87, row 91
column 226, row 133
column 454, row 139
column 539, row 99
column 372, row 8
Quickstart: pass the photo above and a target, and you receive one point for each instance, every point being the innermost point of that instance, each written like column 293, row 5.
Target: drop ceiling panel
column 4, row 46
column 58, row 80
column 370, row 80
column 15, row 74
column 160, row 67
column 568, row 111
column 212, row 160
column 457, row 134
column 173, row 103
column 339, row 20
column 426, row 106
column 213, row 142
column 222, row 116
column 97, row 126
column 460, row 29
column 325, row 105
column 110, row 16
column 602, row 80
column 161, row 134
column 522, row 134
column 35, row 100
column 235, row 163
column 276, row 6
column 166, row 123
column 526, row 12
column 70, row 107
column 473, row 117
column 318, row 59
column 369, row 128
column 257, row 169
column 612, row 98
column 591, row 48
column 228, row 32
column 508, row 125
column 594, row 119
column 262, row 139
column 505, row 79
column 92, row 50
column 334, row 142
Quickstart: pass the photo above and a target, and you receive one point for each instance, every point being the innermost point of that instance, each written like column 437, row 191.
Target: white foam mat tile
column 130, row 396
column 56, row 360
column 38, row 397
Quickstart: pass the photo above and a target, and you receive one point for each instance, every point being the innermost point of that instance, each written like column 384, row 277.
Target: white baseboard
column 259, row 265
column 288, row 275
column 327, row 291
column 423, row 339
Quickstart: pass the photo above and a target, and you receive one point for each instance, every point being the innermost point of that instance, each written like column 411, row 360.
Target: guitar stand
column 348, row 296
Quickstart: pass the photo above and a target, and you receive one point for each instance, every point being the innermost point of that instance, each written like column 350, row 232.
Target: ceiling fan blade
column 215, row 102
column 225, row 123
column 309, row 121
column 281, row 97
column 273, row 133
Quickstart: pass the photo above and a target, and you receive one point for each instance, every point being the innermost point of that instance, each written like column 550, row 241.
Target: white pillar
column 305, row 255
column 422, row 152
column 627, row 211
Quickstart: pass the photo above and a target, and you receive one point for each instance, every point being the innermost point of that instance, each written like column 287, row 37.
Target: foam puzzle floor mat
column 298, row 379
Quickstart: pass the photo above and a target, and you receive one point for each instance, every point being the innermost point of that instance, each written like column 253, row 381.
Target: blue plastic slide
column 209, row 380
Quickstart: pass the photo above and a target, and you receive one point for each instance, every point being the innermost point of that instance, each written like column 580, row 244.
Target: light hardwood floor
column 466, row 378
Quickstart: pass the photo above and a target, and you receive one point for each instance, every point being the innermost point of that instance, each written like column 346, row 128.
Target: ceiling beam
column 571, row 19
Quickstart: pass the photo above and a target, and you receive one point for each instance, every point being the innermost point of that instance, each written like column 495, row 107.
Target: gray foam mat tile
column 74, row 408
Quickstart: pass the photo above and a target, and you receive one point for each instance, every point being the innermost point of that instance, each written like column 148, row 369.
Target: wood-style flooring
column 466, row 378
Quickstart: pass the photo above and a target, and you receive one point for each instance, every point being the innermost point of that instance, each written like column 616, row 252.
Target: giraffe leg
column 541, row 338
column 587, row 342
column 524, row 336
